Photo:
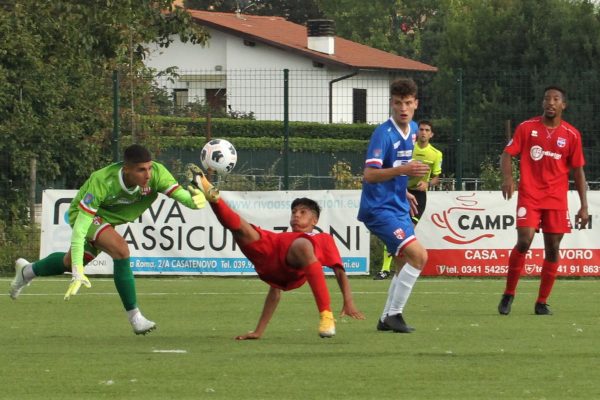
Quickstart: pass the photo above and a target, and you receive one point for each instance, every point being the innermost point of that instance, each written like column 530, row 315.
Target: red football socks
column 516, row 261
column 318, row 285
column 226, row 216
column 548, row 277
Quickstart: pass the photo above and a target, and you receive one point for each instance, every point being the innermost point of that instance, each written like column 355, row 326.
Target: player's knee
column 301, row 252
column 67, row 261
column 420, row 260
column 523, row 246
column 551, row 255
column 120, row 252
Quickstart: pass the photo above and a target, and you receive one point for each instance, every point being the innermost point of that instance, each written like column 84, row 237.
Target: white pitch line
column 170, row 351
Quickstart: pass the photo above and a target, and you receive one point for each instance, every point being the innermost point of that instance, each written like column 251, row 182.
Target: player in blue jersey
column 386, row 266
column 384, row 204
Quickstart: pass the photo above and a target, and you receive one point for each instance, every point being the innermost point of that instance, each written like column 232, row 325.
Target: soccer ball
column 218, row 155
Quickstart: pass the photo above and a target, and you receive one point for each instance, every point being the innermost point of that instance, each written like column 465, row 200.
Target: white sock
column 28, row 273
column 391, row 291
column 406, row 280
column 132, row 313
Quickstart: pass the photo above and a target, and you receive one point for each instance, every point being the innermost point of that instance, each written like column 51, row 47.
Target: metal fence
column 473, row 113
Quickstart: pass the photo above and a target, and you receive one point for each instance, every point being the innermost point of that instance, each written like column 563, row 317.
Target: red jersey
column 547, row 155
column 268, row 254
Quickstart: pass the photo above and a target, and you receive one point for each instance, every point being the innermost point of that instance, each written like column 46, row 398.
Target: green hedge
column 244, row 143
column 156, row 125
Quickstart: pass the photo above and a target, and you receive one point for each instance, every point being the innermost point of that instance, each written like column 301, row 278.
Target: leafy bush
column 491, row 175
column 15, row 242
column 244, row 126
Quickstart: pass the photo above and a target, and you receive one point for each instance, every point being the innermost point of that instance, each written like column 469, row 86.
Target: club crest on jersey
column 97, row 220
column 88, row 198
column 377, row 153
column 399, row 233
column 145, row 191
column 534, row 133
column 561, row 142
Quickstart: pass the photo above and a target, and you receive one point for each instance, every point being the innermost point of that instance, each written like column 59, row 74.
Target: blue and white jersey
column 388, row 148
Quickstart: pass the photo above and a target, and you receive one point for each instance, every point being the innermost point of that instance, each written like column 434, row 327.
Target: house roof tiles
column 288, row 36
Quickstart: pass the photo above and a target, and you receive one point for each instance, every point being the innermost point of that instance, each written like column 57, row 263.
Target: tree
column 56, row 63
column 506, row 52
column 298, row 11
column 395, row 26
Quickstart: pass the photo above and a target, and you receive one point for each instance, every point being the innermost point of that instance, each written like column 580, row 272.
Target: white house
column 331, row 79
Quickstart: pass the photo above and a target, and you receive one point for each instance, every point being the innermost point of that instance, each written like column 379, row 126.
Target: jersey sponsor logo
column 537, row 153
column 145, row 191
column 561, row 142
column 126, row 201
column 400, row 234
column 404, row 153
column 88, row 198
column 398, row 163
column 534, row 133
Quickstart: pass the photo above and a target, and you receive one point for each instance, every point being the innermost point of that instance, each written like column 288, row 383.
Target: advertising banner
column 172, row 239
column 472, row 233
column 465, row 233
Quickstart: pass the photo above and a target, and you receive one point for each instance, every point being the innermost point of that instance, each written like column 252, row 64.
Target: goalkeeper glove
column 197, row 196
column 77, row 280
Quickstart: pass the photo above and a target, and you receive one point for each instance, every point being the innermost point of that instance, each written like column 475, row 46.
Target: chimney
column 321, row 33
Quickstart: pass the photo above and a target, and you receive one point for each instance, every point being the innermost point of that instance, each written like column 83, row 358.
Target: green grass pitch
column 462, row 349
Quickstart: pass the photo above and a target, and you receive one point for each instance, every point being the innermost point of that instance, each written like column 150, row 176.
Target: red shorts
column 549, row 221
column 268, row 254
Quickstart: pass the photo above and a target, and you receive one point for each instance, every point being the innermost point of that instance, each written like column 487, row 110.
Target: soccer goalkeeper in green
column 116, row 194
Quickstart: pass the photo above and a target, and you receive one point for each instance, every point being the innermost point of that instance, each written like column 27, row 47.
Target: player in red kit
column 286, row 260
column 549, row 148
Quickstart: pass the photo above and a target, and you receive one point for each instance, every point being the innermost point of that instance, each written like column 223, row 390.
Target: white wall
column 253, row 77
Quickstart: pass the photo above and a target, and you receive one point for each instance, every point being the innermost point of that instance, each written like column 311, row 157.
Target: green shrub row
column 300, row 144
column 157, row 125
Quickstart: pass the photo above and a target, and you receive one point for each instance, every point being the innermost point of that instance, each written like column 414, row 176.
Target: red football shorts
column 549, row 221
column 268, row 254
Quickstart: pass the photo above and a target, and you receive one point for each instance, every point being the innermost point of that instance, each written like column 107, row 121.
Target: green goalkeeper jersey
column 104, row 194
column 430, row 156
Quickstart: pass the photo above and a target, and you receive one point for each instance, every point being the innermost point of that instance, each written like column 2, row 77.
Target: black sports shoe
column 542, row 309
column 397, row 324
column 505, row 304
column 382, row 326
column 381, row 275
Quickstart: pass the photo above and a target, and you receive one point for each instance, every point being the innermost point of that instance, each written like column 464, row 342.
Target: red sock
column 316, row 280
column 548, row 277
column 516, row 261
column 226, row 216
